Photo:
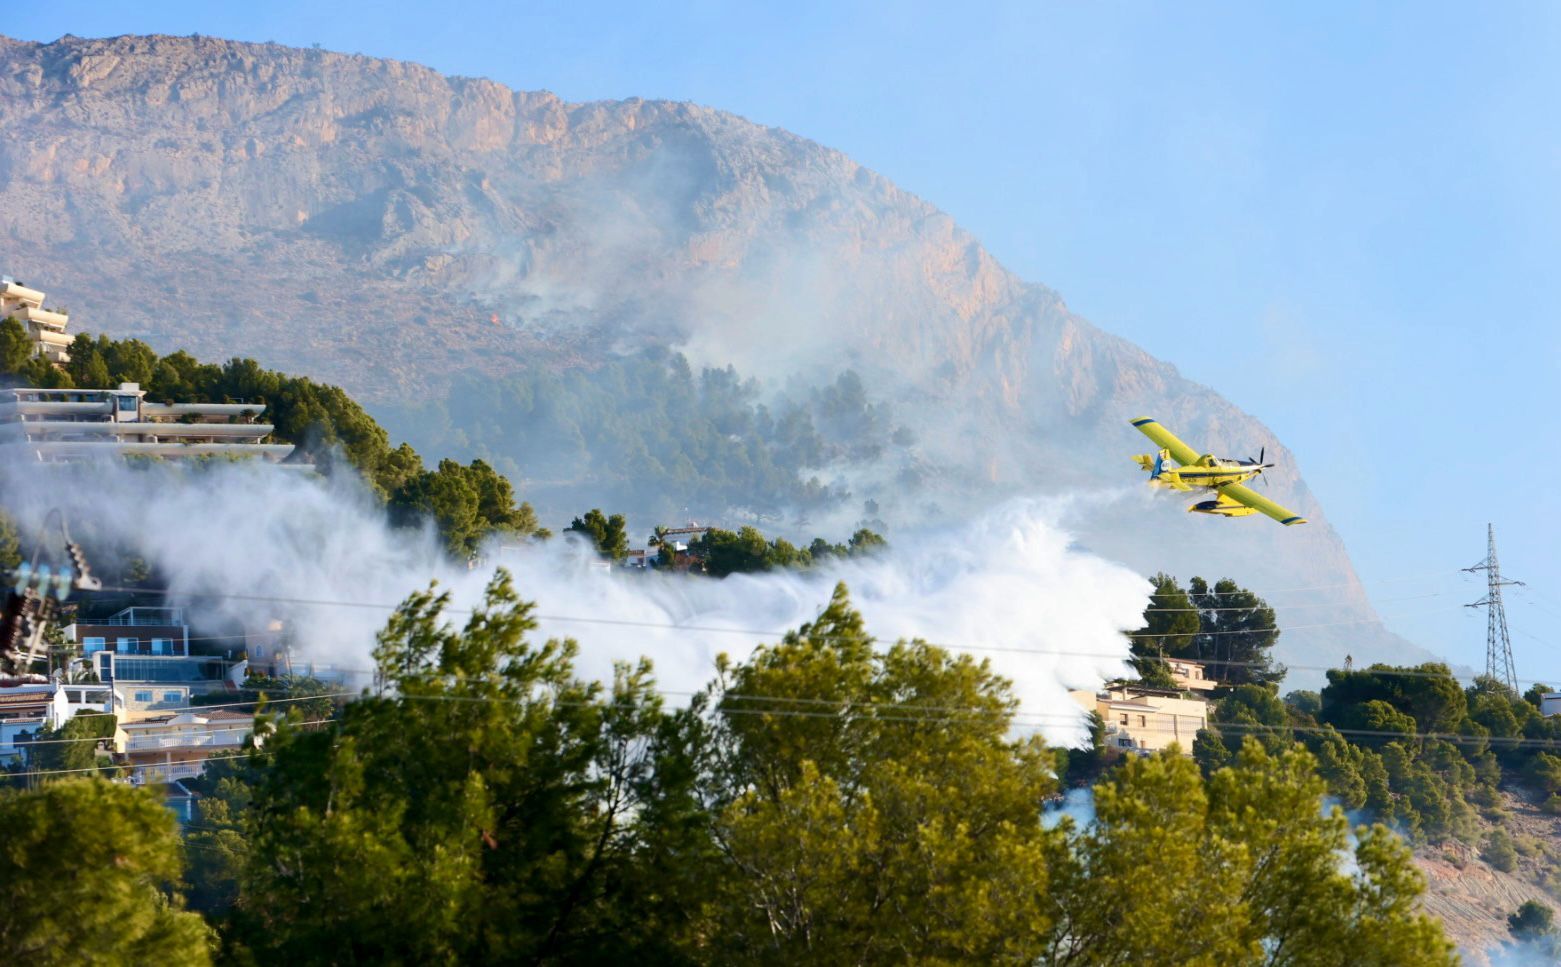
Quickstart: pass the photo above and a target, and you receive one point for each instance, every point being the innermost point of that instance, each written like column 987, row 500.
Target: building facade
column 167, row 748
column 45, row 327
column 133, row 631
column 145, row 686
column 27, row 708
column 1145, row 720
column 24, row 709
column 1191, row 675
column 52, row 425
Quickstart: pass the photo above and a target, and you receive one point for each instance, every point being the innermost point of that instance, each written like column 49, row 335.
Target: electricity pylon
column 1498, row 644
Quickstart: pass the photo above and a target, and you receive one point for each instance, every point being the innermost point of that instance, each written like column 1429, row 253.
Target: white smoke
column 251, row 542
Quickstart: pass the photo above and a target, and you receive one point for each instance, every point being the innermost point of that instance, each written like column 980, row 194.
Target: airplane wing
column 1180, row 452
column 1262, row 504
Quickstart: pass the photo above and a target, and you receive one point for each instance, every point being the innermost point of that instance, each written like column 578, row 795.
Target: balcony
column 11, row 290
column 166, row 772
column 84, row 430
column 141, row 618
column 203, row 411
column 209, row 737
column 43, row 318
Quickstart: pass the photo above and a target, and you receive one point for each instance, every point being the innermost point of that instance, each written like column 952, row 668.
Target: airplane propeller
column 1260, row 465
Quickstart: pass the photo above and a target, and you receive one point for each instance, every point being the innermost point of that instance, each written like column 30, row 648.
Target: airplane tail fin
column 1154, row 464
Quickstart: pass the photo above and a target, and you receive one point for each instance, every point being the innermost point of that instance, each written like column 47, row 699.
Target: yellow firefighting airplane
column 1208, row 472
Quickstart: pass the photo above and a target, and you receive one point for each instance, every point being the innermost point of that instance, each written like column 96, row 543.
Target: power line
column 999, row 649
column 780, row 635
column 16, row 745
column 189, row 732
column 905, row 712
column 109, row 768
column 914, row 713
column 628, row 622
column 1285, row 607
column 274, row 599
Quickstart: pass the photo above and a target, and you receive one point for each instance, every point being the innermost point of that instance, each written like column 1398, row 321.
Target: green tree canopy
column 1236, row 630
column 746, row 551
column 609, row 535
column 1533, row 929
column 483, row 807
column 71, row 747
column 468, row 504
column 1226, row 626
column 1429, row 695
column 1241, row 869
column 87, row 875
column 10, row 543
column 15, row 346
column 900, row 789
column 1170, row 622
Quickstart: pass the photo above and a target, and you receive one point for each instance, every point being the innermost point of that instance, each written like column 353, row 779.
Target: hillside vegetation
column 823, row 801
column 649, row 435
column 709, row 432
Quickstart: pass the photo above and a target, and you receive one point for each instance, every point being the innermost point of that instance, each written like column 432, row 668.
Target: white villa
column 46, row 327
column 51, row 425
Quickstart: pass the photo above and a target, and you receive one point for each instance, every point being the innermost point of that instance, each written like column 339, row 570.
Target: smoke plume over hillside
column 248, row 543
column 444, row 247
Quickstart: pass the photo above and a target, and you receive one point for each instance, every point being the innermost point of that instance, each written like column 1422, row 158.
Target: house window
column 1143, row 722
column 90, row 645
column 162, row 646
column 127, row 646
column 172, row 697
column 127, row 404
column 143, row 697
column 1124, row 718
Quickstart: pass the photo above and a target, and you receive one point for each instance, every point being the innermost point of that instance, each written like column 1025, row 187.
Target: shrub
column 1499, row 852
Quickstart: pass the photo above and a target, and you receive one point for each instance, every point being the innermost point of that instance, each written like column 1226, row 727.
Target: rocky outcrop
column 1473, row 899
column 380, row 225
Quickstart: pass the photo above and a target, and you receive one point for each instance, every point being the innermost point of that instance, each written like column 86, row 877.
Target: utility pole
column 1498, row 644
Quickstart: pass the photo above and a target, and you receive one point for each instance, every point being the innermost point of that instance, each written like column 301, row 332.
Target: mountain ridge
column 378, row 224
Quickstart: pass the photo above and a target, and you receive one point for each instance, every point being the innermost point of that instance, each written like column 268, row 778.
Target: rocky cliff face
column 380, row 225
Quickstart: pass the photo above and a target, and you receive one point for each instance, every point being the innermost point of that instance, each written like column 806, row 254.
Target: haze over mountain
column 410, row 235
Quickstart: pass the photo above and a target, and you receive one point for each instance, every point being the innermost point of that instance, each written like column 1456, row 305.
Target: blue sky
column 1367, row 195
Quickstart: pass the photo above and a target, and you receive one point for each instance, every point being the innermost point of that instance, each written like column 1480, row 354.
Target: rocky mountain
column 383, row 226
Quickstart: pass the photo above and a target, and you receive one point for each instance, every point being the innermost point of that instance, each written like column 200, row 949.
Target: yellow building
column 1190, row 675
column 1145, row 720
column 46, row 327
column 176, row 746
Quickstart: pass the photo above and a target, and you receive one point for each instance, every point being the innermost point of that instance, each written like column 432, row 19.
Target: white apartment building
column 27, row 708
column 46, row 327
column 53, row 425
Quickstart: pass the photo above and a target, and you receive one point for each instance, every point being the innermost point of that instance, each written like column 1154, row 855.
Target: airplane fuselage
column 1211, row 472
column 1208, row 472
